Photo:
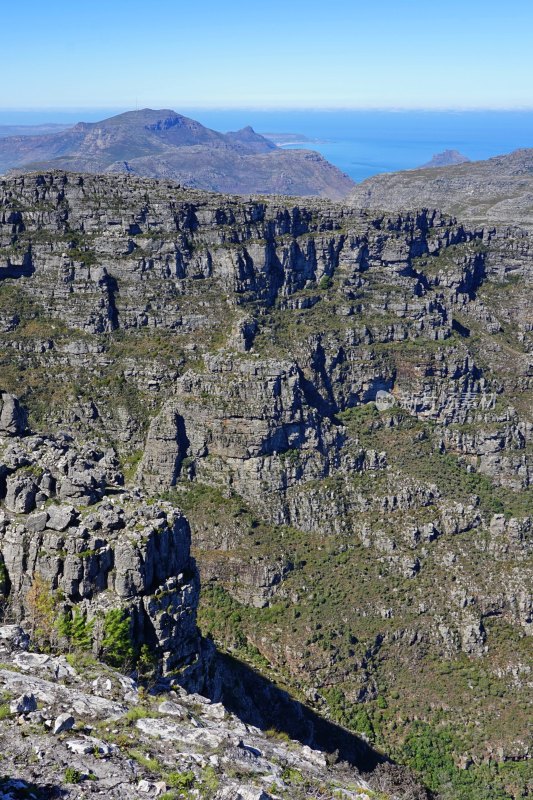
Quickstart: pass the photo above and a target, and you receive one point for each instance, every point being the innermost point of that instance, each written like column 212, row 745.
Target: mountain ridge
column 497, row 190
column 165, row 144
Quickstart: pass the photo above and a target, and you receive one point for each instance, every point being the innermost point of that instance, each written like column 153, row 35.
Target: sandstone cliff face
column 65, row 520
column 340, row 400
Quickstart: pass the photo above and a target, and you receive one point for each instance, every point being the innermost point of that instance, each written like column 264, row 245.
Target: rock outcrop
column 12, row 416
column 69, row 733
column 70, row 531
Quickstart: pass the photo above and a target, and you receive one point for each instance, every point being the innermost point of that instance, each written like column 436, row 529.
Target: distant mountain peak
column 447, row 158
column 161, row 143
column 252, row 141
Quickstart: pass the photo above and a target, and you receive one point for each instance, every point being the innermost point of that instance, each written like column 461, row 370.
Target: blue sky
column 241, row 53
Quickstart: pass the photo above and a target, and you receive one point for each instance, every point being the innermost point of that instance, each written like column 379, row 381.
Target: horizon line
column 246, row 107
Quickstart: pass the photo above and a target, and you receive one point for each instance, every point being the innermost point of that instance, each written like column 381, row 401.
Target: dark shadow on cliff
column 259, row 702
column 20, row 789
column 24, row 270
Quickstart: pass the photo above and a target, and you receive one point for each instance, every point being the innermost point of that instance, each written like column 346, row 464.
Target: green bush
column 292, row 776
column 210, row 783
column 72, row 775
column 432, row 752
column 117, row 646
column 147, row 664
column 76, row 629
column 41, row 609
column 181, row 780
column 150, row 764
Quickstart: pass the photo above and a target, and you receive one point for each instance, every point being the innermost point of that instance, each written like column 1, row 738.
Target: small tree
column 147, row 667
column 76, row 629
column 41, row 610
column 117, row 647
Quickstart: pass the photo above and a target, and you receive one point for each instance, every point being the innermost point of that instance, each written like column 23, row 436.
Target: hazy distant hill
column 33, row 130
column 164, row 144
column 447, row 158
column 497, row 190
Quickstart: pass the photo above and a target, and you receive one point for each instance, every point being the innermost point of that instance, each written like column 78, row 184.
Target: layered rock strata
column 339, row 399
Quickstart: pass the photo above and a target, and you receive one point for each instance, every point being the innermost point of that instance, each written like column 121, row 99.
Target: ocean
column 364, row 143
column 360, row 143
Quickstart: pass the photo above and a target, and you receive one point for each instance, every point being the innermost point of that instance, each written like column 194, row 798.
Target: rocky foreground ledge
column 71, row 727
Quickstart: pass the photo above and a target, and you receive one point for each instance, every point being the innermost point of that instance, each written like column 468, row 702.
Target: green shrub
column 147, row 664
column 117, row 646
column 76, row 629
column 41, row 609
column 292, row 776
column 72, row 775
column 150, row 764
column 181, row 780
column 210, row 782
column 137, row 712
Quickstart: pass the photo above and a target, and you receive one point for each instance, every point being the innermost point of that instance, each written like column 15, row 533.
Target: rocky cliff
column 339, row 400
column 497, row 191
column 72, row 727
column 68, row 527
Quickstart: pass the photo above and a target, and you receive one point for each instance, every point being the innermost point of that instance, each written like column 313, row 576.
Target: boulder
column 24, row 704
column 64, row 722
column 171, row 708
column 21, row 490
column 12, row 416
column 60, row 517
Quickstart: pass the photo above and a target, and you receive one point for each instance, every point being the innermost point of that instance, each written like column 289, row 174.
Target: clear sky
column 282, row 53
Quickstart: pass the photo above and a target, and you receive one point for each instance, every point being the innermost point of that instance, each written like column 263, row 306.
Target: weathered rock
column 135, row 553
column 12, row 416
column 21, row 490
column 64, row 722
column 25, row 704
column 60, row 517
column 169, row 731
column 169, row 707
column 244, row 793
